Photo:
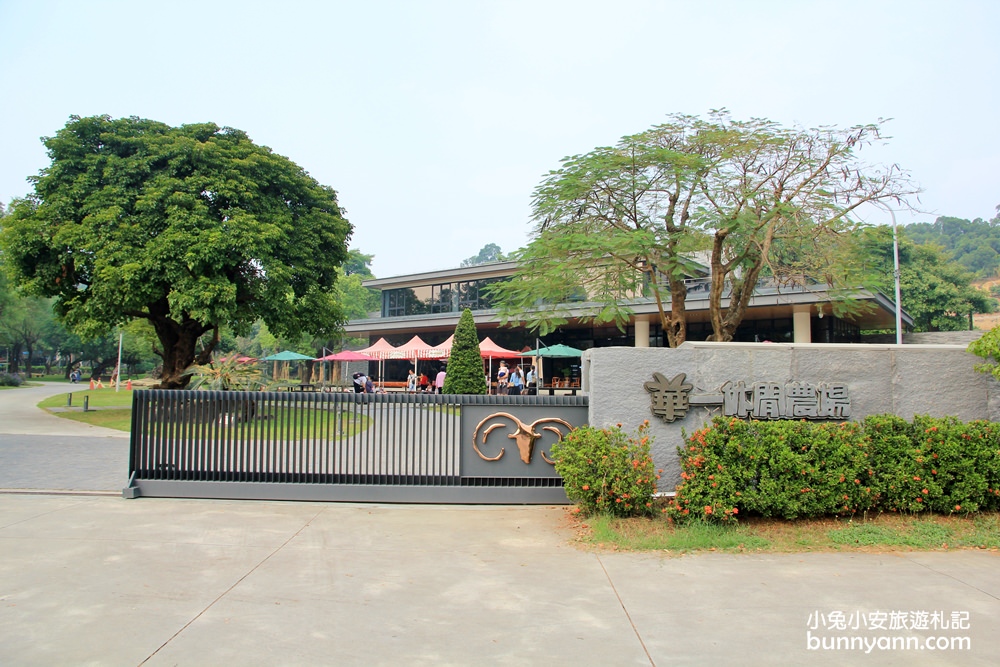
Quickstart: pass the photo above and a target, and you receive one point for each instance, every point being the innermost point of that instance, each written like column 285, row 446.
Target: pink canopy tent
column 442, row 351
column 411, row 349
column 415, row 349
column 380, row 350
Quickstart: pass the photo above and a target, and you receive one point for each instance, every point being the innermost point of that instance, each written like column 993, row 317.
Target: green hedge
column 794, row 469
column 606, row 470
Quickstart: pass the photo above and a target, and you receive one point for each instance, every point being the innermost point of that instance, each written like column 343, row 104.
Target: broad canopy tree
column 759, row 200
column 191, row 228
column 937, row 293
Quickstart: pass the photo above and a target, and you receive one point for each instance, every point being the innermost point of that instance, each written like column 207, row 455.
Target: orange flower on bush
column 708, row 509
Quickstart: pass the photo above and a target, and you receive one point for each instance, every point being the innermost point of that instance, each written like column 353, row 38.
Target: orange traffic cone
column 128, row 385
column 91, row 384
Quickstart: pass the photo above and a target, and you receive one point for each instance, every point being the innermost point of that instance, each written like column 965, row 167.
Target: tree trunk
column 14, row 359
column 97, row 369
column 674, row 323
column 178, row 343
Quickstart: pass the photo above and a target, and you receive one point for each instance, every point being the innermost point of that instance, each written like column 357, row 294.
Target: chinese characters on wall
column 795, row 400
column 671, row 399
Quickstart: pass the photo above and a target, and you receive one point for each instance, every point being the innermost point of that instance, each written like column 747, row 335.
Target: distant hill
column 975, row 244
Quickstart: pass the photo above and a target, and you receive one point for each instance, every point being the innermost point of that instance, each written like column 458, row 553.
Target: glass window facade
column 442, row 298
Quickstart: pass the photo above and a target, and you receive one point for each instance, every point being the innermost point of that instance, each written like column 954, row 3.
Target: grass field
column 116, row 412
column 98, row 398
column 887, row 532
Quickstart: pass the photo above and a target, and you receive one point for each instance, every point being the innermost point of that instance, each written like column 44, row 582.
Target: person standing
column 503, row 377
column 439, row 381
column 516, row 381
column 411, row 382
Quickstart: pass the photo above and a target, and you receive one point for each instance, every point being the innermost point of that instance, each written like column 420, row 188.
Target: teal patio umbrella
column 285, row 355
column 557, row 351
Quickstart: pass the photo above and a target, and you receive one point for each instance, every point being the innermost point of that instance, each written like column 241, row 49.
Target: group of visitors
column 422, row 384
column 364, row 385
column 514, row 381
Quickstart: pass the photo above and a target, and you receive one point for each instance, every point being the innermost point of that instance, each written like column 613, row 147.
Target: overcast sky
column 434, row 121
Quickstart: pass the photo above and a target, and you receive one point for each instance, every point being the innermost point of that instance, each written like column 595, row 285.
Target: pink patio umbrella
column 345, row 356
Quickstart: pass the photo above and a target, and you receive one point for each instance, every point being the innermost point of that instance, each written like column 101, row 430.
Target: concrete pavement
column 98, row 580
column 106, row 581
column 39, row 451
column 20, row 416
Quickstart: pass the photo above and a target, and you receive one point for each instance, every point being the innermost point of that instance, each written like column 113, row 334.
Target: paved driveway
column 39, row 451
column 107, row 581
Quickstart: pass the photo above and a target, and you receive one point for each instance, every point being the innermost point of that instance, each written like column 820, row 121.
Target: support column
column 801, row 324
column 641, row 333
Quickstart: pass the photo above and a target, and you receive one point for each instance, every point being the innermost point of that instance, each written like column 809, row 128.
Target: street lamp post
column 895, row 275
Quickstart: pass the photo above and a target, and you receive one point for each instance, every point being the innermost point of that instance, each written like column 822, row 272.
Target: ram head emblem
column 524, row 435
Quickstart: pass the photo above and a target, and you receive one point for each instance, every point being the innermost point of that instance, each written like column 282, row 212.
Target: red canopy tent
column 490, row 350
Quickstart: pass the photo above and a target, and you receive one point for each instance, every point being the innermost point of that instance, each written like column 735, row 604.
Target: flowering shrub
column 607, row 470
column 10, row 380
column 808, row 469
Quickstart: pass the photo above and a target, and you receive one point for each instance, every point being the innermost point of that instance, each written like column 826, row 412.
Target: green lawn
column 118, row 419
column 116, row 413
column 98, row 398
column 886, row 532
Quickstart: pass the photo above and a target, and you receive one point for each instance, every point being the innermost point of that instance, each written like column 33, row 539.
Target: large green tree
column 975, row 244
column 191, row 228
column 936, row 292
column 490, row 252
column 757, row 199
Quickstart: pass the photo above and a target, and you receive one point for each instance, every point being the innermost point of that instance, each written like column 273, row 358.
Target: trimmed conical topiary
column 465, row 367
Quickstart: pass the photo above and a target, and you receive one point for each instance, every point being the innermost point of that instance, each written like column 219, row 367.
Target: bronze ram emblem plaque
column 523, row 434
column 493, row 432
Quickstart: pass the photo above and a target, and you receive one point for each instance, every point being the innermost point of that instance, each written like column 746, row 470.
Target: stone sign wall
column 679, row 390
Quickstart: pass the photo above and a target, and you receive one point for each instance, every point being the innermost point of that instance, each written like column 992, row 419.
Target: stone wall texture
column 906, row 380
column 927, row 338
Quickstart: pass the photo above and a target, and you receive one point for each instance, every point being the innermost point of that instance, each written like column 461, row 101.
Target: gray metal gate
column 349, row 447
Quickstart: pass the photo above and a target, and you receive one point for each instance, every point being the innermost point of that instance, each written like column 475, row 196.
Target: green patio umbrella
column 557, row 350
column 286, row 356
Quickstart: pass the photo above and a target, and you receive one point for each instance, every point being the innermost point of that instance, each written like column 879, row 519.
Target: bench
column 393, row 385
